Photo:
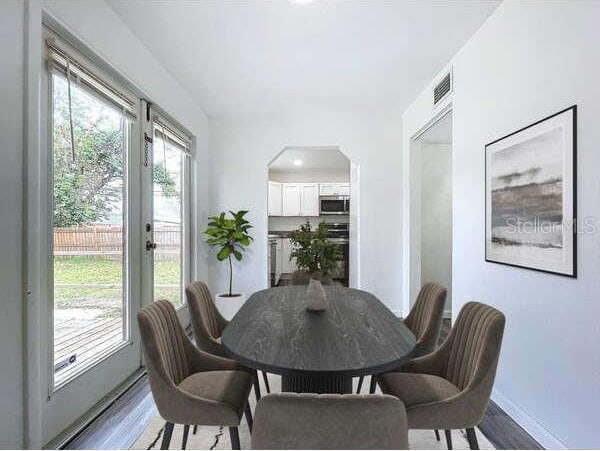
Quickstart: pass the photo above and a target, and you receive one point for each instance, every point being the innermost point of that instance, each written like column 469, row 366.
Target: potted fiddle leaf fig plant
column 316, row 257
column 229, row 236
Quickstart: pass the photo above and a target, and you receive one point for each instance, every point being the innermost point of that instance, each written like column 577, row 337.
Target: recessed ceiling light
column 297, row 162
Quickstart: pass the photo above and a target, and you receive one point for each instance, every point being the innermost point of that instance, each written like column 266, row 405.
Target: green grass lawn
column 90, row 282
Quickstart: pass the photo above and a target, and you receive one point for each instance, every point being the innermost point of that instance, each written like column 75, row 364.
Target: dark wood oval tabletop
column 319, row 352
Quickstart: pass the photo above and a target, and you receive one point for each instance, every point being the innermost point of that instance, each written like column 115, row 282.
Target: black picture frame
column 572, row 272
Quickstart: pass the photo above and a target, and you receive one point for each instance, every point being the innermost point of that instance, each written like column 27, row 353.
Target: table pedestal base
column 300, row 383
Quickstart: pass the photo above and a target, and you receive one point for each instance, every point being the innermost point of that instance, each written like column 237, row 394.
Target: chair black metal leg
column 373, row 384
column 448, row 438
column 248, row 414
column 256, row 385
column 235, row 437
column 472, row 438
column 437, row 435
column 186, row 431
column 266, row 379
column 360, row 382
column 195, row 429
column 167, row 433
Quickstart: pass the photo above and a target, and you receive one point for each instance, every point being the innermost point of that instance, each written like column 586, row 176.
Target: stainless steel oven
column 334, row 205
column 339, row 234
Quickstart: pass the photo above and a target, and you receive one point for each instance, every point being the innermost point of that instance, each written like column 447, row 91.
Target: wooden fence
column 107, row 242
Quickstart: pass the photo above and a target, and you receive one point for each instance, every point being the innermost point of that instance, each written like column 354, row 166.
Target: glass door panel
column 89, row 179
column 168, row 214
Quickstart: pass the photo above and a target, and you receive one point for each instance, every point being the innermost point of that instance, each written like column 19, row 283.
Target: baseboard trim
column 542, row 435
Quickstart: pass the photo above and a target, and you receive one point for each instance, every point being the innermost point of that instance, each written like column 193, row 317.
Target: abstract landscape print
column 530, row 196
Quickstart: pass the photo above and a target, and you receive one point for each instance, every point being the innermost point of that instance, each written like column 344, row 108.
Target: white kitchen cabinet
column 309, row 199
column 334, row 189
column 300, row 199
column 287, row 265
column 326, row 189
column 275, row 199
column 344, row 189
column 292, row 203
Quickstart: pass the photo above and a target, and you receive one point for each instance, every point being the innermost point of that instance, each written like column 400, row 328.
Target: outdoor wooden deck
column 85, row 343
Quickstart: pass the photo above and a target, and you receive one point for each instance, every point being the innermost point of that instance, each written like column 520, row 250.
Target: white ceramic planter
column 227, row 306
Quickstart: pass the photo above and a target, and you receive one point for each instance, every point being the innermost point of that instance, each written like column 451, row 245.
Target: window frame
column 158, row 116
column 130, row 228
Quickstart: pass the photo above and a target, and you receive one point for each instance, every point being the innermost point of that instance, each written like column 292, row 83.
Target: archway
column 314, row 185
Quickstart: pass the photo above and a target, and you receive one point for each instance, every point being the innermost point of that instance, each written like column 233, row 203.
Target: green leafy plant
column 313, row 251
column 88, row 173
column 230, row 237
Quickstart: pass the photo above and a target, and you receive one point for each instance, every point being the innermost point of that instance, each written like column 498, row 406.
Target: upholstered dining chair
column 208, row 325
column 424, row 321
column 450, row 388
column 310, row 421
column 190, row 386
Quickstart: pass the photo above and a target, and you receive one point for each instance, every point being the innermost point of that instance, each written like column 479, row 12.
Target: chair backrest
column 207, row 322
column 163, row 342
column 310, row 421
column 425, row 318
column 473, row 347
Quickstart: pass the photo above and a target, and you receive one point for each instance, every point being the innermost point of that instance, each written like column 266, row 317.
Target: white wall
column 529, row 60
column 11, row 151
column 94, row 23
column 310, row 176
column 436, row 216
column 241, row 149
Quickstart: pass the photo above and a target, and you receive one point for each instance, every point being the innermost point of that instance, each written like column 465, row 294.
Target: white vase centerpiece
column 315, row 296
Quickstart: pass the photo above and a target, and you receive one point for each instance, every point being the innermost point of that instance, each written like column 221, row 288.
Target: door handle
column 150, row 246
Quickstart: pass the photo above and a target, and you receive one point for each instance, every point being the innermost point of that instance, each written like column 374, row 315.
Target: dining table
column 317, row 351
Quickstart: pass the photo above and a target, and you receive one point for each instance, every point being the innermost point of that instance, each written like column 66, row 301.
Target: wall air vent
column 442, row 89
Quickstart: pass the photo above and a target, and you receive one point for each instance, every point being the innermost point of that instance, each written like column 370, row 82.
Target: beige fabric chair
column 208, row 324
column 190, row 386
column 310, row 421
column 450, row 388
column 424, row 321
column 425, row 318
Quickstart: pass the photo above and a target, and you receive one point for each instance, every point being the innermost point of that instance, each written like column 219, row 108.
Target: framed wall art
column 531, row 198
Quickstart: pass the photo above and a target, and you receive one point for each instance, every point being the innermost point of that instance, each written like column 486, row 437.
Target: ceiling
column 313, row 159
column 248, row 57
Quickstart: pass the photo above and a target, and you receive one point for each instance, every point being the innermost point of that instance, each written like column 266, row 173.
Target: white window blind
column 170, row 133
column 76, row 72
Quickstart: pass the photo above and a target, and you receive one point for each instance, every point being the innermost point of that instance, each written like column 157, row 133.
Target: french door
column 117, row 215
column 166, row 208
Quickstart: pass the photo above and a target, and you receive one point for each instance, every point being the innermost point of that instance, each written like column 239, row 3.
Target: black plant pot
column 302, row 277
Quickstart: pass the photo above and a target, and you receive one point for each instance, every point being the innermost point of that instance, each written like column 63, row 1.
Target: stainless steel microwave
column 334, row 205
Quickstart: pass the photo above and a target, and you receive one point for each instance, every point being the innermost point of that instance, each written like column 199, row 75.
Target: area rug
column 214, row 437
